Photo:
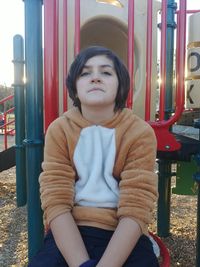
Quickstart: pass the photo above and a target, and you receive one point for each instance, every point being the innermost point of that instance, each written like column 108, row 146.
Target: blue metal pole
column 34, row 119
column 18, row 60
column 164, row 187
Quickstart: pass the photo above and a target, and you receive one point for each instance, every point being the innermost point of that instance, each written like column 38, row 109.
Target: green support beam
column 34, row 120
column 18, row 60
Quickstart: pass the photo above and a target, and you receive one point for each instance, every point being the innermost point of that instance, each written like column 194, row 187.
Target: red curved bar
column 148, row 60
column 166, row 140
column 64, row 54
column 180, row 94
column 77, row 28
column 130, row 51
column 50, row 61
column 163, row 251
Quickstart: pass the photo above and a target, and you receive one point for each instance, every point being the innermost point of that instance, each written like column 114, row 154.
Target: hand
column 89, row 263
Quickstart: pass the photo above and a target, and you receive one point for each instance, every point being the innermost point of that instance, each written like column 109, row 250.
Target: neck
column 97, row 115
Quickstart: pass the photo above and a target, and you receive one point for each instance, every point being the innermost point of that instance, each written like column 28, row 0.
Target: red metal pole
column 148, row 60
column 51, row 90
column 64, row 54
column 130, row 50
column 177, row 53
column 181, row 58
column 163, row 59
column 180, row 64
column 77, row 28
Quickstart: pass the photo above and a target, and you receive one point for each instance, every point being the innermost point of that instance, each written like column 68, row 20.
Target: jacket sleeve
column 58, row 176
column 138, row 185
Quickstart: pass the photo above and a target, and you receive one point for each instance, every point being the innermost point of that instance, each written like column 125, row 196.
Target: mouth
column 95, row 89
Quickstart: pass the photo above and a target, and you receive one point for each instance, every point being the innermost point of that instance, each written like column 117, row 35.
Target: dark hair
column 121, row 71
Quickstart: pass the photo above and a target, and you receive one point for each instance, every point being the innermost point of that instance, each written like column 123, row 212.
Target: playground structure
column 7, row 128
column 69, row 27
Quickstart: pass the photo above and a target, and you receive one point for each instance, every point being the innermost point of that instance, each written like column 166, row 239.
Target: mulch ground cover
column 13, row 227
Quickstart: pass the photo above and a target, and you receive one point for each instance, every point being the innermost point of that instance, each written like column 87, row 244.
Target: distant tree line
column 4, row 92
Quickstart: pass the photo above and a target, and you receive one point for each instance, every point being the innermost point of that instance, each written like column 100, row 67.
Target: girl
column 98, row 185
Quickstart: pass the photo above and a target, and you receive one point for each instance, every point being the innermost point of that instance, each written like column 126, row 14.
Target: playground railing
column 8, row 126
column 166, row 141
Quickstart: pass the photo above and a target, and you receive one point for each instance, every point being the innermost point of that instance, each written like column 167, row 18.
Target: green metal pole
column 18, row 60
column 164, row 187
column 34, row 120
column 197, row 179
column 198, row 226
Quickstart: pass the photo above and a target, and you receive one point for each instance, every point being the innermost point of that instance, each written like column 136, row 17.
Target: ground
column 13, row 227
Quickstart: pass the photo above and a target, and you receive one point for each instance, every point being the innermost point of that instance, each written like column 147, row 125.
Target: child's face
column 97, row 84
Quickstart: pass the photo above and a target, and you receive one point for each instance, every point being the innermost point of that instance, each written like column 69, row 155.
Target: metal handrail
column 2, row 101
column 6, row 124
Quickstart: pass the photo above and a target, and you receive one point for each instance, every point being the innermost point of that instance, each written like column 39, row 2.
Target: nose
column 96, row 78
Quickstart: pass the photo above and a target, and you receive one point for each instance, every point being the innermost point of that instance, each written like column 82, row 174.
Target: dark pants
column 96, row 241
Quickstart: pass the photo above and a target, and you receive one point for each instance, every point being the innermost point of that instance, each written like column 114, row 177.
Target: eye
column 107, row 73
column 84, row 73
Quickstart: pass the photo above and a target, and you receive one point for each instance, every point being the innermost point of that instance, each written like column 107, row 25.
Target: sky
column 12, row 22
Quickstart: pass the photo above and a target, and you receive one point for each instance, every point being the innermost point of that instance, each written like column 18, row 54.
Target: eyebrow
column 101, row 66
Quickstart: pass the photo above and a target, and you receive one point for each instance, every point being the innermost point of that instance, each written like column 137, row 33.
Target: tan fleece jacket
column 134, row 167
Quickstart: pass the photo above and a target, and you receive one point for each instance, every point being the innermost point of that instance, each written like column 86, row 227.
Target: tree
column 4, row 92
